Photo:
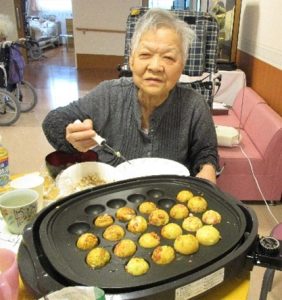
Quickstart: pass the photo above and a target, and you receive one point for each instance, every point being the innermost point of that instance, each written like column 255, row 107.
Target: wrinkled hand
column 207, row 172
column 80, row 135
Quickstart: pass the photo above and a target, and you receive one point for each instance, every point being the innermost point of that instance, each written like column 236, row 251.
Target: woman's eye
column 170, row 58
column 144, row 55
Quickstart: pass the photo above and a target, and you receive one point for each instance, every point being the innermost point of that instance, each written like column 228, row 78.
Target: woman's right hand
column 80, row 135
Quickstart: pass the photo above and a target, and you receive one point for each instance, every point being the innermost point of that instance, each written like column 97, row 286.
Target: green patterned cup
column 18, row 208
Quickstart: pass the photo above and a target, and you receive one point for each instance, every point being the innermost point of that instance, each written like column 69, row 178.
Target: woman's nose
column 155, row 64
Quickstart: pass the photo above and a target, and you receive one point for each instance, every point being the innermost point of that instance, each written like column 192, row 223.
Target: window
column 51, row 5
column 170, row 4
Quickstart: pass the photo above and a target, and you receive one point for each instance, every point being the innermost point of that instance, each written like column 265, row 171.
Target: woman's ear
column 131, row 61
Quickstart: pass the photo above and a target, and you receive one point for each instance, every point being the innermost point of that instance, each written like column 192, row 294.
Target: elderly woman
column 147, row 115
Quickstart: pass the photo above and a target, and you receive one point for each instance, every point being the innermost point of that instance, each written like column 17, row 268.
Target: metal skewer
column 102, row 142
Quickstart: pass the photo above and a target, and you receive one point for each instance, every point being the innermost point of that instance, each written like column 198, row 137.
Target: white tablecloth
column 7, row 239
column 231, row 83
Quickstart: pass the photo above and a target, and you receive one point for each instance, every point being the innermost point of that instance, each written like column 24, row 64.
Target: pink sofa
column 261, row 131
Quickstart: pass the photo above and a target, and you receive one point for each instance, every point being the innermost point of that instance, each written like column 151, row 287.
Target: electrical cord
column 257, row 183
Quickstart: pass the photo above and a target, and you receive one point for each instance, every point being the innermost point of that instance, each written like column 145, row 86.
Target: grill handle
column 41, row 275
column 267, row 253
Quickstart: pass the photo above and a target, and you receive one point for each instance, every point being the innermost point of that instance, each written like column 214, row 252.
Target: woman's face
column 157, row 62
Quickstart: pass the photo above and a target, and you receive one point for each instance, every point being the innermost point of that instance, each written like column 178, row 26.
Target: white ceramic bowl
column 141, row 167
column 67, row 181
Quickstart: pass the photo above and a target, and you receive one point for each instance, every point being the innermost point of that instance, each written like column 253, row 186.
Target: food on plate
column 137, row 266
column 50, row 190
column 171, row 231
column 158, row 217
column 125, row 248
column 197, row 204
column 104, row 220
column 163, row 255
column 184, row 195
column 192, row 223
column 89, row 181
column 186, row 244
column 98, row 257
column 125, row 214
column 179, row 211
column 114, row 233
column 137, row 225
column 147, row 207
column 87, row 241
column 149, row 240
column 211, row 217
column 208, row 235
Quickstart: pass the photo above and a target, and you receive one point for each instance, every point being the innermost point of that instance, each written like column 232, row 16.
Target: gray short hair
column 156, row 18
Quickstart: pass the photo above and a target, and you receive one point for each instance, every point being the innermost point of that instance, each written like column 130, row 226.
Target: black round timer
column 269, row 245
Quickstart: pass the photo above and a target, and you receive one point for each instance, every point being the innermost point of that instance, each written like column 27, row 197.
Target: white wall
column 7, row 8
column 101, row 14
column 260, row 30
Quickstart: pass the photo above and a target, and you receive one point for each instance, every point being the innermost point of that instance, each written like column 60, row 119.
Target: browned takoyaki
column 87, row 241
column 114, row 233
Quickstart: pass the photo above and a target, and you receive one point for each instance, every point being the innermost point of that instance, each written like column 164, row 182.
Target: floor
column 58, row 82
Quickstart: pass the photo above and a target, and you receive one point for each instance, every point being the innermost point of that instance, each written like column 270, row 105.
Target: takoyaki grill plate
column 57, row 227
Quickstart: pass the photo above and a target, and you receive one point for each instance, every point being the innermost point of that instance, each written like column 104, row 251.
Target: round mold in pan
column 61, row 227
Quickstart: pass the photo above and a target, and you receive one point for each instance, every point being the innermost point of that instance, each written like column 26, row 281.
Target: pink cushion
column 264, row 127
column 243, row 186
column 277, row 231
column 227, row 120
column 244, row 103
column 247, row 99
column 234, row 160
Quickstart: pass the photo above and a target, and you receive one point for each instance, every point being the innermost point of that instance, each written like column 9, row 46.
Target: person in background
column 148, row 115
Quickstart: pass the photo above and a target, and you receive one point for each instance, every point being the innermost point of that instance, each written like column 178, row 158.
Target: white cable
column 258, row 186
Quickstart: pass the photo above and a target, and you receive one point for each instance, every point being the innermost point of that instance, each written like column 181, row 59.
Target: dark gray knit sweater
column 180, row 129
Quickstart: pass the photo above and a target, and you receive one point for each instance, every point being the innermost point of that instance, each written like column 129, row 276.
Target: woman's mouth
column 153, row 80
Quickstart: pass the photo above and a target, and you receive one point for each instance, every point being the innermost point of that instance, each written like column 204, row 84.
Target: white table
column 231, row 83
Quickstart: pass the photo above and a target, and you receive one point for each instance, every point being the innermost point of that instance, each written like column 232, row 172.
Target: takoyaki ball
column 179, row 211
column 87, row 241
column 114, row 233
column 104, row 220
column 192, row 223
column 137, row 266
column 137, row 225
column 208, row 235
column 125, row 248
column 147, row 207
column 184, row 196
column 163, row 255
column 171, row 231
column 158, row 217
column 125, row 214
column 149, row 240
column 186, row 244
column 211, row 217
column 98, row 257
column 197, row 204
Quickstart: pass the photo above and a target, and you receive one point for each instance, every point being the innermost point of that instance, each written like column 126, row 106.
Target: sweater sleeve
column 203, row 145
column 90, row 106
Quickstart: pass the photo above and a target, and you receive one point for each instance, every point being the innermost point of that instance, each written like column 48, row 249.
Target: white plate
column 67, row 181
column 141, row 167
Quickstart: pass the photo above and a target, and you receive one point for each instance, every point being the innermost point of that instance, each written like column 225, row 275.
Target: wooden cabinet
column 69, row 30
